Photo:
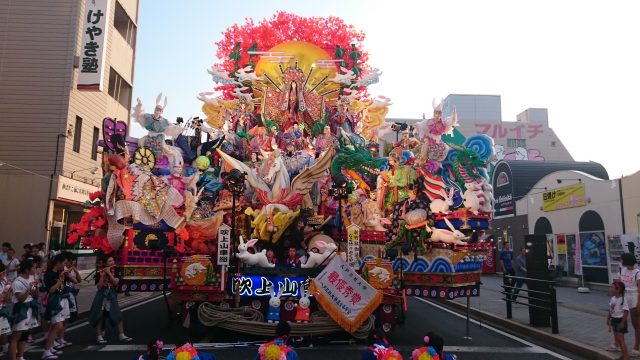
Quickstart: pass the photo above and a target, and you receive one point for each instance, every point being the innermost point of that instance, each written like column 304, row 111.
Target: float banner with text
column 344, row 295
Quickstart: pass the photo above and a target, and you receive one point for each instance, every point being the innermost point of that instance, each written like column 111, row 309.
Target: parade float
column 294, row 208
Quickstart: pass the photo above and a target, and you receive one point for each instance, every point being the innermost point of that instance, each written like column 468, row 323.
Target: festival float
column 293, row 209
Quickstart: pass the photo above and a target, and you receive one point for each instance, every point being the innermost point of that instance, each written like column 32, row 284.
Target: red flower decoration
column 95, row 195
column 324, row 32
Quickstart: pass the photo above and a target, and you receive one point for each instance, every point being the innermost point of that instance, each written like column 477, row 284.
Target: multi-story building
column 527, row 138
column 64, row 66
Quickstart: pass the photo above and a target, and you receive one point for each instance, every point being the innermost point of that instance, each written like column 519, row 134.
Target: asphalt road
column 148, row 320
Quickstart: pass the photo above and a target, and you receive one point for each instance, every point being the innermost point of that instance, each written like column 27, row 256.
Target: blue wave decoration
column 481, row 144
column 442, row 265
column 420, row 264
column 469, row 266
column 400, row 263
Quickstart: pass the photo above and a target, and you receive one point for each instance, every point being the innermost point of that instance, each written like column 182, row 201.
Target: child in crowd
column 292, row 261
column 57, row 310
column 154, row 347
column 437, row 343
column 105, row 304
column 277, row 348
column 271, row 257
column 379, row 347
column 5, row 302
column 617, row 317
column 25, row 310
column 73, row 279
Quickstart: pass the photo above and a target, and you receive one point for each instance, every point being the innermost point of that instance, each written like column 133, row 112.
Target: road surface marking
column 538, row 349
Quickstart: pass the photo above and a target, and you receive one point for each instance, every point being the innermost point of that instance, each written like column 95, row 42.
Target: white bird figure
column 247, row 74
column 219, row 75
column 239, row 93
column 369, row 78
column 381, row 273
column 344, row 78
column 194, row 269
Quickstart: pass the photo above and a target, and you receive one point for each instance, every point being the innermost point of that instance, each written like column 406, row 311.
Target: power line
column 2, row 163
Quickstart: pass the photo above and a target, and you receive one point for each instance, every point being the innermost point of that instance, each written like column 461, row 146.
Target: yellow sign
column 563, row 198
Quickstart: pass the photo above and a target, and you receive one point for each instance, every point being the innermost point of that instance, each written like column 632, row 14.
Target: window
column 94, row 143
column 77, row 134
column 516, row 143
column 119, row 89
column 122, row 22
column 553, row 144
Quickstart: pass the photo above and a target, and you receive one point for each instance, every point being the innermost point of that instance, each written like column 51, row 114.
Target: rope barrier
column 249, row 320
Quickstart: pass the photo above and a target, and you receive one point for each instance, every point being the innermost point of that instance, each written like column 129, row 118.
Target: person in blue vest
column 273, row 349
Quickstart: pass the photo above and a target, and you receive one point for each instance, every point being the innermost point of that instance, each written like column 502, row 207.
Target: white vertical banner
column 224, row 244
column 578, row 257
column 94, row 40
column 353, row 245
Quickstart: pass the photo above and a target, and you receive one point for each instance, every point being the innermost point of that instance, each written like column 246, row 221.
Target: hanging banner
column 578, row 258
column 224, row 244
column 92, row 50
column 353, row 245
column 561, row 244
column 344, row 295
column 563, row 198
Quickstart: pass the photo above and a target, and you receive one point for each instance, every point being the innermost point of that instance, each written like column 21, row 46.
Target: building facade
column 527, row 138
column 64, row 68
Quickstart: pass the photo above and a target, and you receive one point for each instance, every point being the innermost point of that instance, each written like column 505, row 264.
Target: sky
column 579, row 59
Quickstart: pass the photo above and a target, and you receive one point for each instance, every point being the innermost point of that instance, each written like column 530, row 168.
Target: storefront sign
column 259, row 286
column 504, row 204
column 344, row 295
column 74, row 190
column 92, row 50
column 353, row 245
column 224, row 244
column 563, row 198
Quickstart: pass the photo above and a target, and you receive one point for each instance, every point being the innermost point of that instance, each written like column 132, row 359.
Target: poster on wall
column 551, row 257
column 593, row 249
column 561, row 244
column 615, row 250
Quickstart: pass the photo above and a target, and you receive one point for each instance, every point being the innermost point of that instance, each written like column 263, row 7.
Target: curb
column 588, row 351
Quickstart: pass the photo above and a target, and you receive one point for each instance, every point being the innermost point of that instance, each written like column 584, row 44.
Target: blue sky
column 579, row 59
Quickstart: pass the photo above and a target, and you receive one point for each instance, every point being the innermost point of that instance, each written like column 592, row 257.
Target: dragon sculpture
column 359, row 164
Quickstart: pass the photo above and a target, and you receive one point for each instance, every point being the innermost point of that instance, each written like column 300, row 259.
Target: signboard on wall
column 564, row 198
column 74, row 190
column 94, row 40
column 504, row 204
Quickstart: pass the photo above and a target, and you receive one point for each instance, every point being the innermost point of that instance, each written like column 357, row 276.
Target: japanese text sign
column 92, row 48
column 344, row 295
column 353, row 245
column 224, row 244
column 563, row 198
column 259, row 285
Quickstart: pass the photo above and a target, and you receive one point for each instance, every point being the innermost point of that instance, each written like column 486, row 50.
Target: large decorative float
column 293, row 209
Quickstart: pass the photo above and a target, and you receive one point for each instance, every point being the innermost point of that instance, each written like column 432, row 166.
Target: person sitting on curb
column 276, row 348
